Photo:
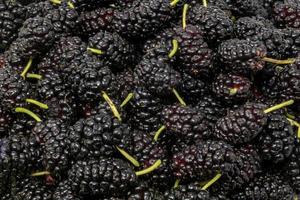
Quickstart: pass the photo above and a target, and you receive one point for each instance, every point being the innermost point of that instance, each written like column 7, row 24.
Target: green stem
column 157, row 133
column 279, row 106
column 39, row 104
column 71, row 5
column 184, row 15
column 29, row 63
column 36, row 76
column 212, row 181
column 176, row 184
column 41, row 173
column 279, row 62
column 149, row 169
column 95, row 51
column 112, row 106
column 127, row 99
column 129, row 157
column 28, row 112
column 180, row 99
column 174, row 3
column 174, row 49
column 233, row 91
column 56, row 1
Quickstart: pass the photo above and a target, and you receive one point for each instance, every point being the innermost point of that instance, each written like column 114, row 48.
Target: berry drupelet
column 287, row 14
column 246, row 167
column 91, row 22
column 64, row 192
column 39, row 33
column 89, row 77
column 194, row 55
column 248, row 8
column 53, row 136
column 203, row 160
column 98, row 136
column 265, row 187
column 277, row 140
column 242, row 56
column 105, row 177
column 291, row 167
column 34, row 189
column 285, row 84
column 125, row 83
column 145, row 193
column 191, row 192
column 9, row 25
column 63, row 52
column 185, row 122
column 192, row 89
column 114, row 50
column 13, row 89
column 280, row 43
column 17, row 160
column 145, row 110
column 57, row 95
column 241, row 125
column 147, row 152
column 11, row 19
column 289, row 81
column 211, row 108
column 231, row 88
column 214, row 22
column 6, row 119
column 40, row 8
column 157, row 76
column 143, row 18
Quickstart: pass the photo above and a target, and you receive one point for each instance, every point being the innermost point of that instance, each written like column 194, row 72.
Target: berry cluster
column 149, row 99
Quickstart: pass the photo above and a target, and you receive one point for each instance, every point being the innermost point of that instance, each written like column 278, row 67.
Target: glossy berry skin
column 276, row 142
column 19, row 156
column 290, row 170
column 65, row 51
column 98, row 136
column 143, row 18
column 192, row 192
column 267, row 187
column 13, row 89
column 185, row 122
column 288, row 81
column 90, row 77
column 241, row 125
column 242, row 56
column 147, row 152
column 91, row 22
column 157, row 76
column 64, row 192
column 117, row 52
column 34, row 190
column 247, row 166
column 56, row 94
column 280, row 43
column 211, row 108
column 40, row 32
column 6, row 120
column 213, row 21
column 145, row 110
column 106, row 176
column 53, row 137
column 287, row 14
column 194, row 54
column 232, row 88
column 203, row 160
